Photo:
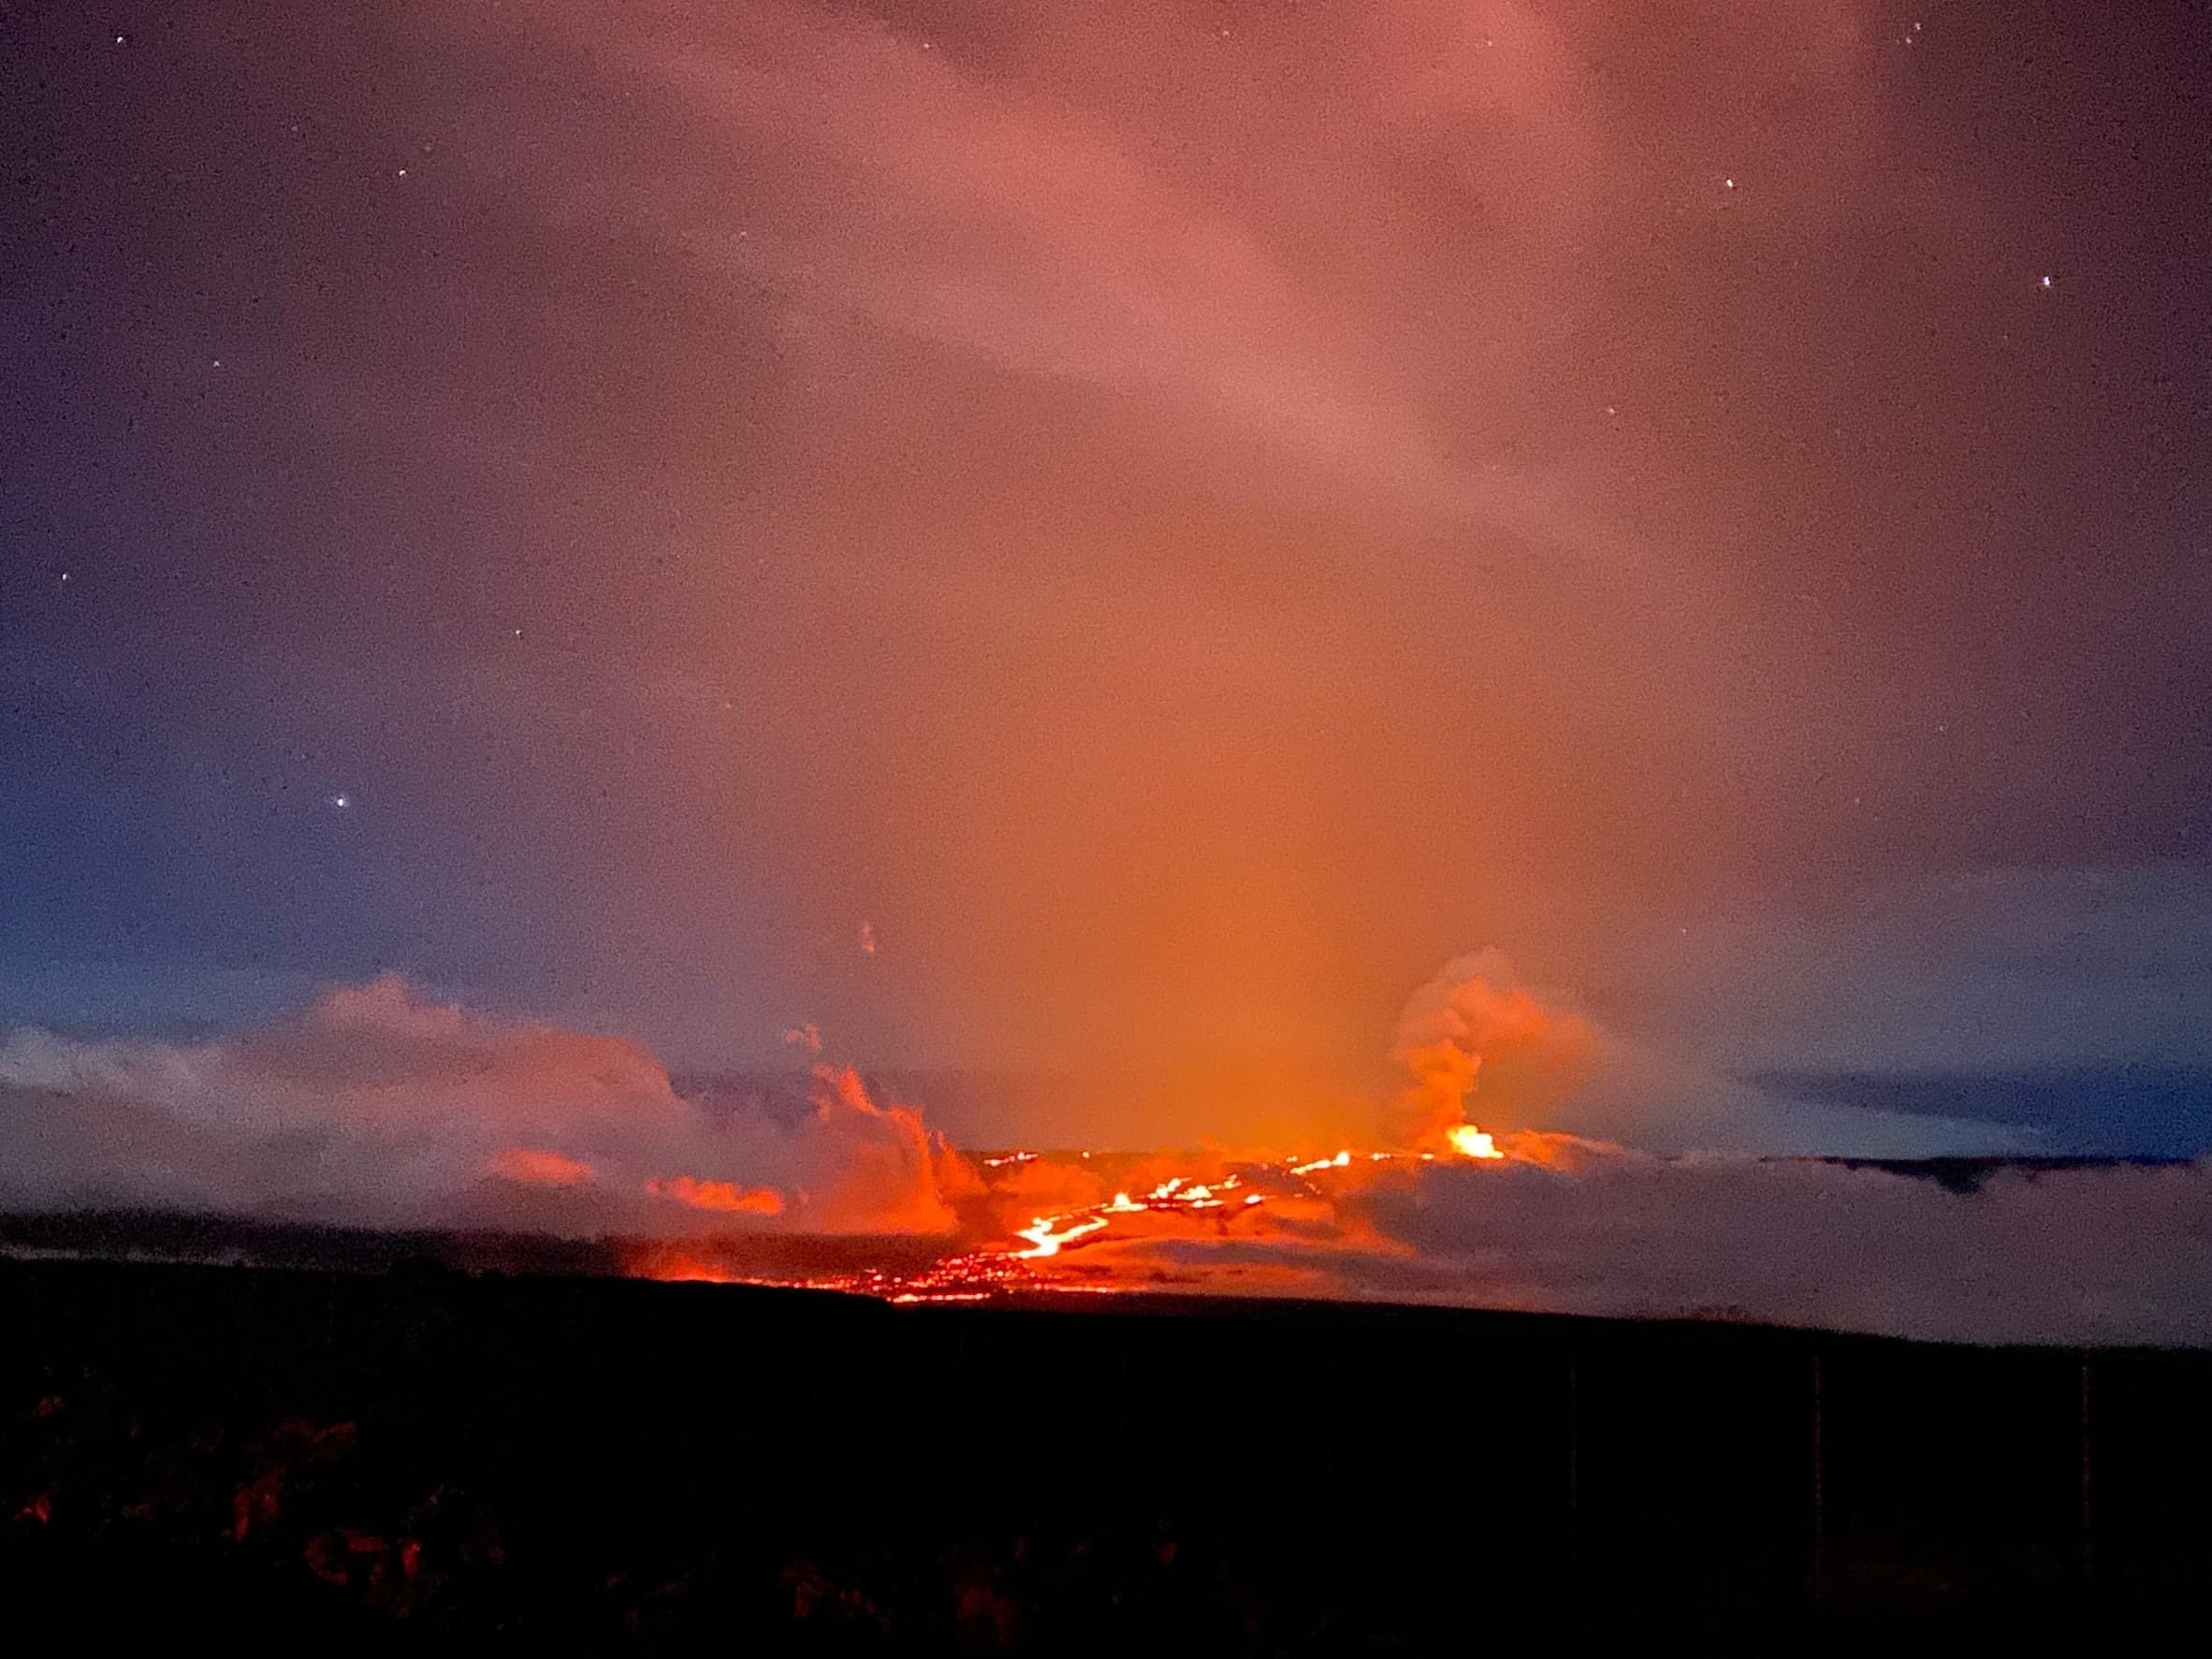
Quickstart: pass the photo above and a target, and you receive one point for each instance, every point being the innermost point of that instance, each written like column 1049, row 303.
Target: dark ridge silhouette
column 427, row 1457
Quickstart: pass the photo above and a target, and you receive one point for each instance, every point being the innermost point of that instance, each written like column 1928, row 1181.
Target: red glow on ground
column 1107, row 1223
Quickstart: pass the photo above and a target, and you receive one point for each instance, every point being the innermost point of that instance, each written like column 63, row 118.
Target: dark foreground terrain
column 426, row 1459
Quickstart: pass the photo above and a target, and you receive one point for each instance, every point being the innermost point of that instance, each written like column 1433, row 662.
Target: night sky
column 1097, row 545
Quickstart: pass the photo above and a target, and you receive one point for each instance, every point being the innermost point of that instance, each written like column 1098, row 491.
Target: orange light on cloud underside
column 723, row 1196
column 533, row 1165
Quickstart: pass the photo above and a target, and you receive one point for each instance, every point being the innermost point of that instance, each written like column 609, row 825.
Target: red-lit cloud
column 379, row 1105
column 533, row 1165
column 722, row 1197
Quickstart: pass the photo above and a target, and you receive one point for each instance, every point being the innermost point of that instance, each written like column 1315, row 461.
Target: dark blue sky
column 1176, row 519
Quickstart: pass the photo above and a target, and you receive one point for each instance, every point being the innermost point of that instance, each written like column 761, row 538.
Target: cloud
column 2113, row 1254
column 378, row 1105
column 1257, row 225
column 533, row 1165
column 1972, row 970
column 723, row 1197
column 1179, row 517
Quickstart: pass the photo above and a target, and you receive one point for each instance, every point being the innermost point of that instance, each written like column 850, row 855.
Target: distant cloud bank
column 379, row 1106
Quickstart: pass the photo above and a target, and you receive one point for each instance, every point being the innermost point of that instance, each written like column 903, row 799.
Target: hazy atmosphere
column 562, row 561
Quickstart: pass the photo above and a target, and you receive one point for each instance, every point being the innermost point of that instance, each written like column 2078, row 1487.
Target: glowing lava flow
column 1182, row 1195
column 1047, row 1238
column 1309, row 1204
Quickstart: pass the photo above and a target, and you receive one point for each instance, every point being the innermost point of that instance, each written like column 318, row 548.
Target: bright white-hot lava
column 1047, row 1234
column 1470, row 1142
